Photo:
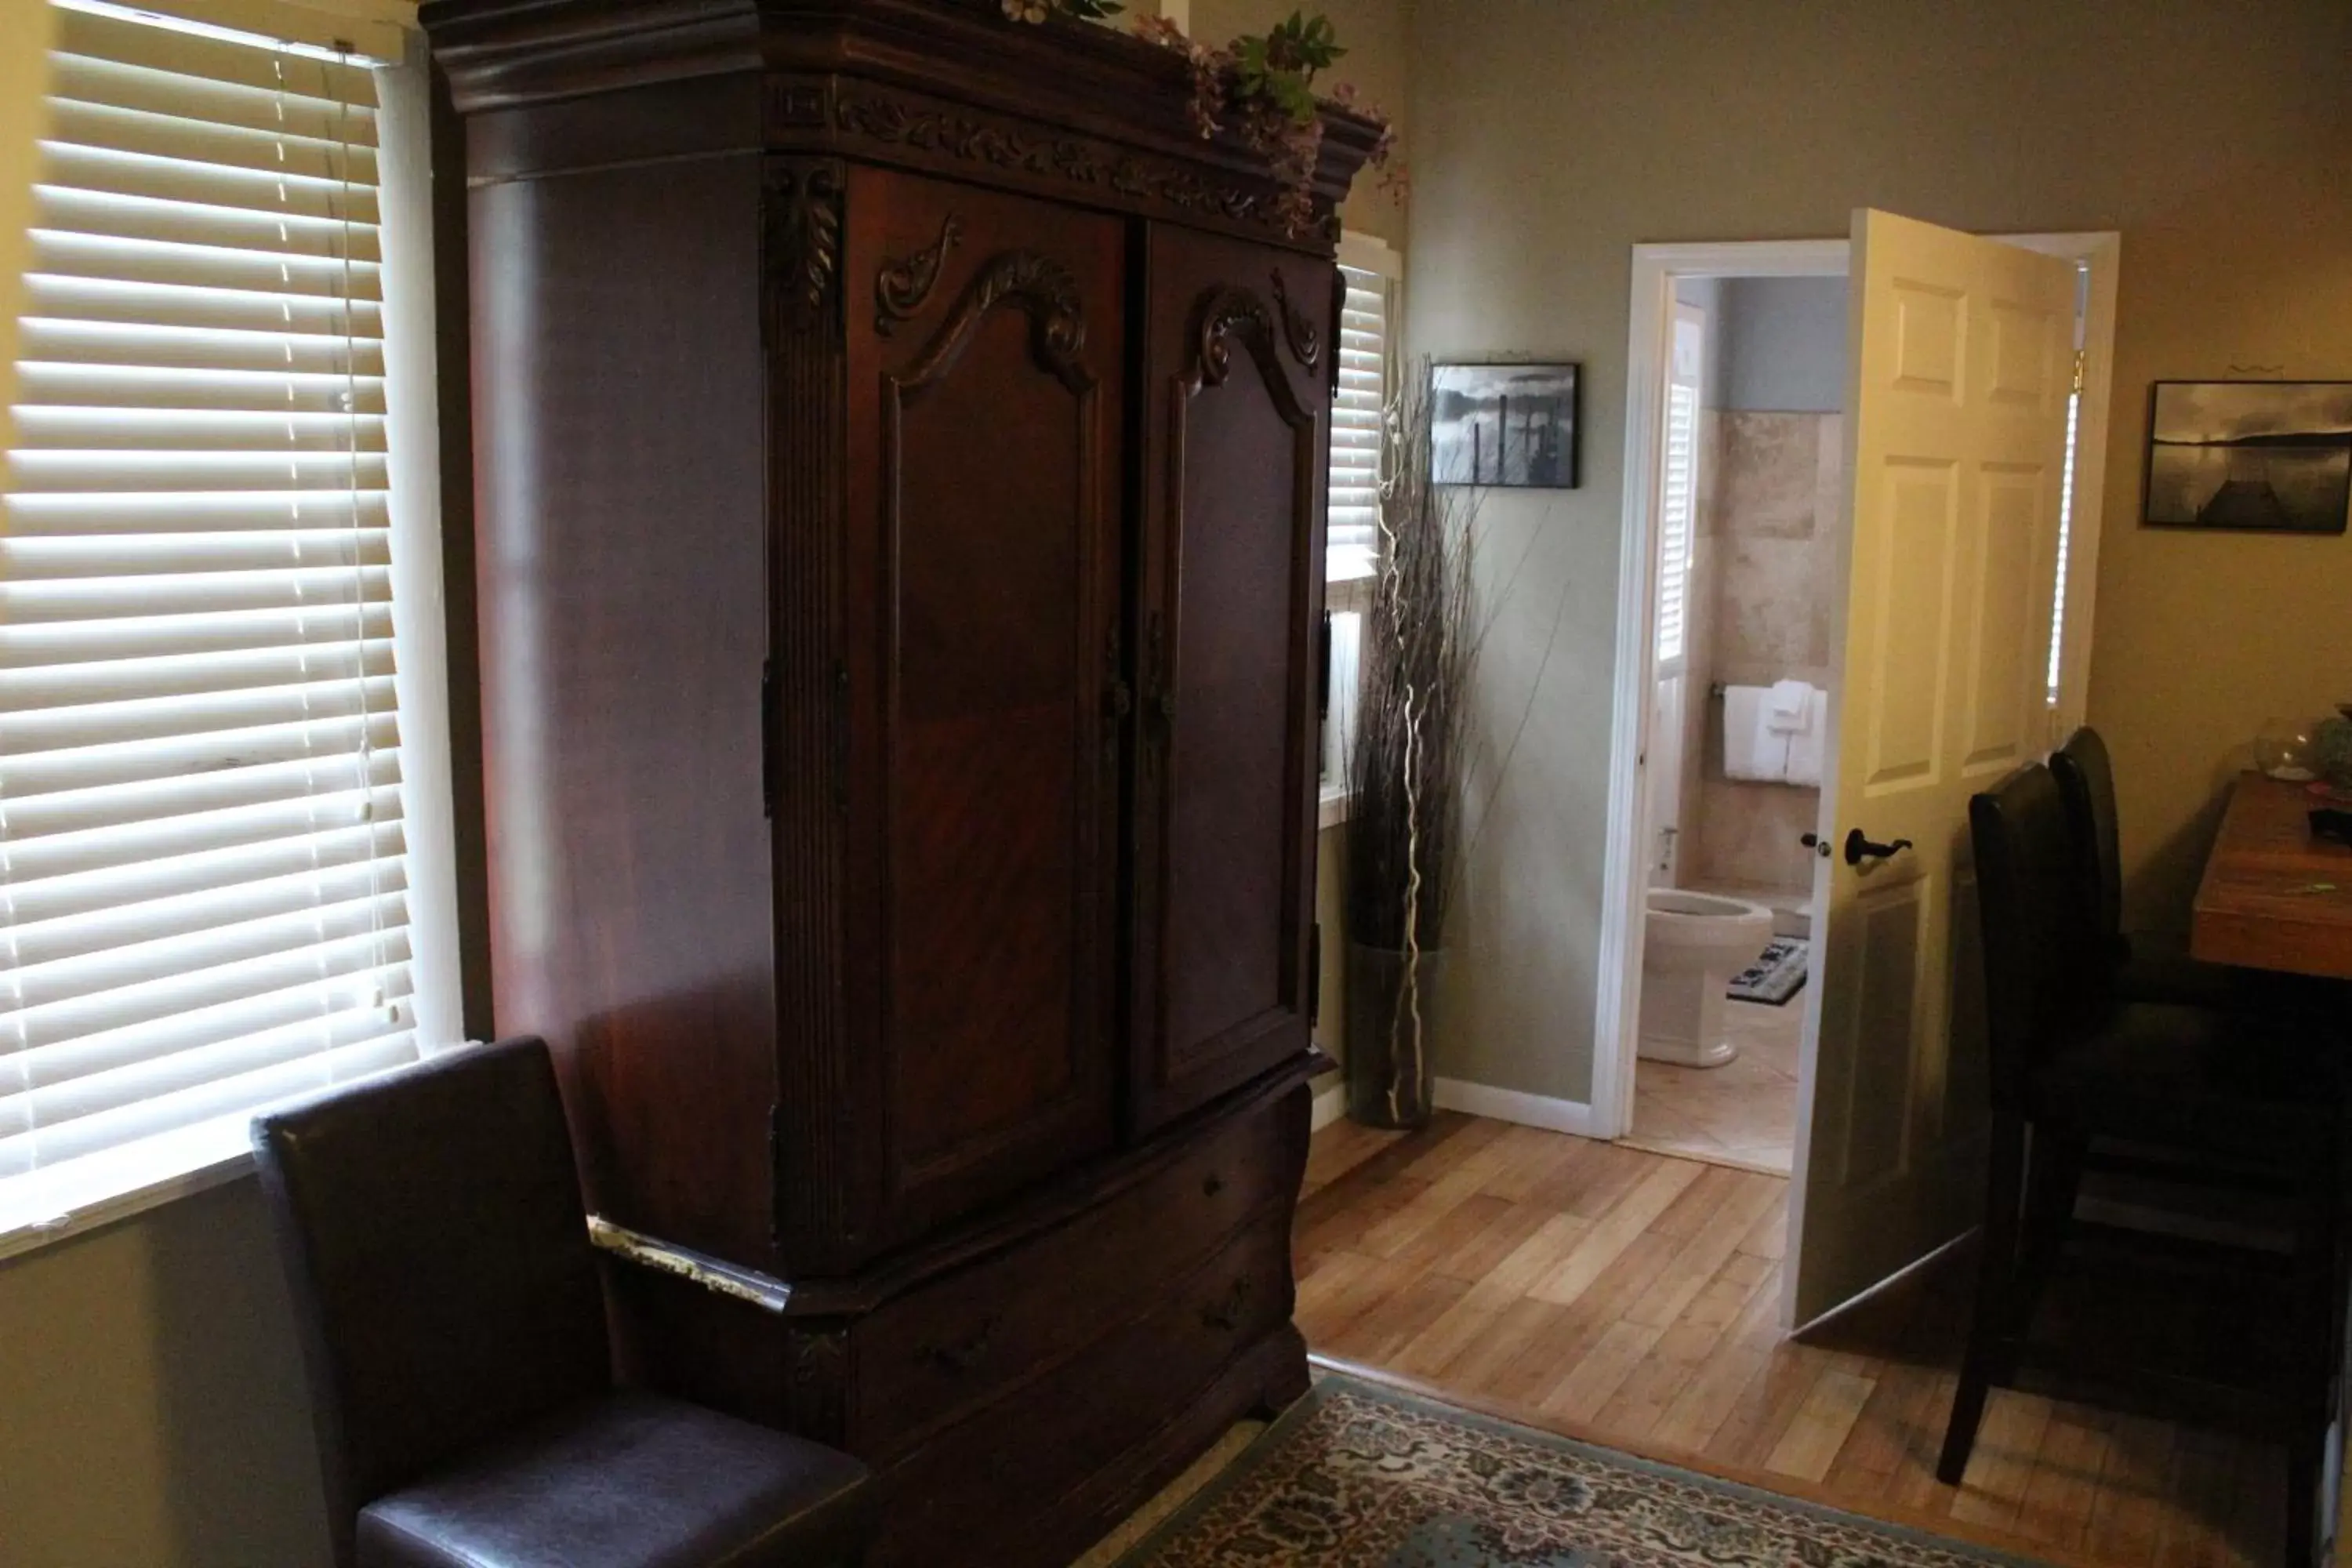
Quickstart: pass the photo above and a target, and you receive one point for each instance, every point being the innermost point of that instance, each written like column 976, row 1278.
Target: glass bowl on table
column 2282, row 751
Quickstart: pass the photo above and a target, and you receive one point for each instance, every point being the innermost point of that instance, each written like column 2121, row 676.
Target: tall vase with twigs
column 1406, row 769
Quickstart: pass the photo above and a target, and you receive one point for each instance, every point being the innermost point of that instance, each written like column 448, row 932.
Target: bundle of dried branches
column 1406, row 766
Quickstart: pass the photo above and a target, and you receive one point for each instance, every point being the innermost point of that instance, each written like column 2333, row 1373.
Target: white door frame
column 1657, row 269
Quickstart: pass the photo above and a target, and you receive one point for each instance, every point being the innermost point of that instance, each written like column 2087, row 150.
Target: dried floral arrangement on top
column 1262, row 85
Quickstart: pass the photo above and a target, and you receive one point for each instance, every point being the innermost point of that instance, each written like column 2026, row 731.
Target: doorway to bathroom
column 1756, row 586
column 1747, row 507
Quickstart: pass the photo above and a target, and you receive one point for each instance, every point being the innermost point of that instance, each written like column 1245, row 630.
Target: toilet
column 1696, row 942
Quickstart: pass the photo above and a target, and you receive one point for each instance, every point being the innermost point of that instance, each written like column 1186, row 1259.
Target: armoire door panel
column 1229, row 661
column 986, row 337
column 1231, row 596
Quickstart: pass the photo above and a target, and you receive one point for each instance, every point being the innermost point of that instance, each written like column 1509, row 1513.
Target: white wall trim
column 1331, row 1104
column 419, row 605
column 218, row 1162
column 1748, row 259
column 1619, row 982
column 1369, row 253
column 1333, row 803
column 1573, row 1116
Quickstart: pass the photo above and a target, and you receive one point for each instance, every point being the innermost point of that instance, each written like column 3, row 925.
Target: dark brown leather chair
column 453, row 1329
column 2082, row 1079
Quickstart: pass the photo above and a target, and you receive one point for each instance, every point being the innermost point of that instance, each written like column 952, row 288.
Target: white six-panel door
column 1962, row 360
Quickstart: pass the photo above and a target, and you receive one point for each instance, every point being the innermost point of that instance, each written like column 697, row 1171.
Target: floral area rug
column 1356, row 1476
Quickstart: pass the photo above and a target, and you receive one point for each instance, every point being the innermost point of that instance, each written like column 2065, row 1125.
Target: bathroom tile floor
column 1743, row 1113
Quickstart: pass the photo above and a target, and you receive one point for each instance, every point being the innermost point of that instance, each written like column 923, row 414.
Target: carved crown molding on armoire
column 900, row 455
column 1066, row 110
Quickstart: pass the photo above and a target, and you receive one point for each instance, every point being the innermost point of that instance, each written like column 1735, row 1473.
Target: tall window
column 1352, row 545
column 1678, row 490
column 205, row 855
column 1359, row 450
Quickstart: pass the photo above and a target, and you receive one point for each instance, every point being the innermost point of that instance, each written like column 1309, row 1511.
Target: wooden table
column 2273, row 897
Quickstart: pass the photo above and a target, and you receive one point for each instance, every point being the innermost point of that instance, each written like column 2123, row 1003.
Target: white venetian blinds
column 1352, row 546
column 202, row 865
column 1678, row 491
column 1679, row 495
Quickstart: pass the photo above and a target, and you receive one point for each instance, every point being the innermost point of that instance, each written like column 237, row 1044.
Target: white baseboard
column 1510, row 1105
column 1329, row 1106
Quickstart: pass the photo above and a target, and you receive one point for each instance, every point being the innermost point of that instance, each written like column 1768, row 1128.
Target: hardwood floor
column 1631, row 1299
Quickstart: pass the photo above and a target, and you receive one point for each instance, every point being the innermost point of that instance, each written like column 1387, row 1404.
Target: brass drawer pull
column 1224, row 1315
column 960, row 1359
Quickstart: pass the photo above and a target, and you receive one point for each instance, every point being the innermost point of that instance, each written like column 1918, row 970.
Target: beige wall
column 152, row 1406
column 1549, row 137
column 1375, row 34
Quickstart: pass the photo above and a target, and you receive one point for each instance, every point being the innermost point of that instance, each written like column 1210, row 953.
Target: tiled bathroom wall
column 1762, row 575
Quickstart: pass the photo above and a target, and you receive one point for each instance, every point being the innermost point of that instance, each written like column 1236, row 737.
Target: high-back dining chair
column 2191, row 1095
column 453, row 1332
column 2086, row 780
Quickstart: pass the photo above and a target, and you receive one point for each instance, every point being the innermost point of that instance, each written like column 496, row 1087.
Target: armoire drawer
column 946, row 1497
column 958, row 1341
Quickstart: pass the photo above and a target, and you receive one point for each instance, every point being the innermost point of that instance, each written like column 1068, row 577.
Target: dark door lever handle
column 1858, row 847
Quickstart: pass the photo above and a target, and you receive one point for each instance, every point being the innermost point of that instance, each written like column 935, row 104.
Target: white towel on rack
column 1751, row 748
column 1786, row 707
column 1807, row 745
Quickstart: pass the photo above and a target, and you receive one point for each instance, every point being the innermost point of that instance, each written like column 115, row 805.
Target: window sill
column 1333, row 806
column 190, row 1166
column 86, row 1194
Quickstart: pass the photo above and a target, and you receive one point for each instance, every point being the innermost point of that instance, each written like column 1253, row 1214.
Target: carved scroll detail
column 1225, row 314
column 1040, row 286
column 1006, row 144
column 1306, row 342
column 902, row 287
column 801, row 242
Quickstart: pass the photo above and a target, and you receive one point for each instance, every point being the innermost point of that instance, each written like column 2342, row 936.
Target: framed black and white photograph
column 2256, row 456
column 1507, row 425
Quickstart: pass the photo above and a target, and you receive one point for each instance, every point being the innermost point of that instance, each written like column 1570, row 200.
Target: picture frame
column 2249, row 456
column 1507, row 425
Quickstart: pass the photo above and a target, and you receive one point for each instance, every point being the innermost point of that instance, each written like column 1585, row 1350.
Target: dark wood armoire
column 899, row 444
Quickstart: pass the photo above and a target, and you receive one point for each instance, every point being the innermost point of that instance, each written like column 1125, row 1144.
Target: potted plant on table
column 1405, row 772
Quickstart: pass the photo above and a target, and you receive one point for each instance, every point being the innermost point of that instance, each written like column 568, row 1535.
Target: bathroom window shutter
column 1678, row 494
column 1351, row 547
column 202, row 879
